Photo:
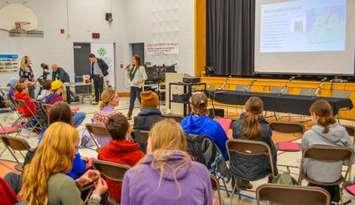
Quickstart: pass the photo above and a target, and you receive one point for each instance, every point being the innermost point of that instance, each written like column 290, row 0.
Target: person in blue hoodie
column 199, row 123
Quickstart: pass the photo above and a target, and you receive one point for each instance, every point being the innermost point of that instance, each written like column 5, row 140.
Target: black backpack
column 201, row 149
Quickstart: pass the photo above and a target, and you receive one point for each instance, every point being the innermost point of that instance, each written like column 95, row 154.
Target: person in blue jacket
column 199, row 123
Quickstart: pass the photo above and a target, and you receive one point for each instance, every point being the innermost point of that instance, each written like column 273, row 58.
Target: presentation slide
column 305, row 36
column 303, row 26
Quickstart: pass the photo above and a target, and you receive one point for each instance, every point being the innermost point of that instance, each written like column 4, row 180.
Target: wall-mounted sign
column 8, row 62
column 162, row 48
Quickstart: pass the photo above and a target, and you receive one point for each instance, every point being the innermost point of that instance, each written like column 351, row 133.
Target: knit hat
column 13, row 81
column 56, row 84
column 149, row 99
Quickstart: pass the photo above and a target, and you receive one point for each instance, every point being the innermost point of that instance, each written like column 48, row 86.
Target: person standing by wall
column 137, row 76
column 99, row 69
column 26, row 72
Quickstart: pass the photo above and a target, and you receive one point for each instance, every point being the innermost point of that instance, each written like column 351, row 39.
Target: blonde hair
column 54, row 155
column 25, row 63
column 106, row 97
column 165, row 139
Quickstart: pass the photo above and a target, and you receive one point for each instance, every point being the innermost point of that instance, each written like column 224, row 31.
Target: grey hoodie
column 325, row 171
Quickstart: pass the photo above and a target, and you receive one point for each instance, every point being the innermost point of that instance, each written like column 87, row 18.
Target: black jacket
column 60, row 74
column 103, row 66
column 146, row 118
column 253, row 167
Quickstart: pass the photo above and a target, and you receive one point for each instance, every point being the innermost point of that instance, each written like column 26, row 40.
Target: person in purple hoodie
column 167, row 175
column 198, row 123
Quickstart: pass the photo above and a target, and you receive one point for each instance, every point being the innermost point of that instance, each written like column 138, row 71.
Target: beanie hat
column 149, row 99
column 56, row 85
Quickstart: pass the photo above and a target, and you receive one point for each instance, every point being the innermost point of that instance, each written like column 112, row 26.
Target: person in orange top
column 21, row 93
column 119, row 150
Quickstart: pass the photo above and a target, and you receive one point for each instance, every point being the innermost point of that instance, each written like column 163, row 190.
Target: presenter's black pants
column 98, row 86
column 135, row 93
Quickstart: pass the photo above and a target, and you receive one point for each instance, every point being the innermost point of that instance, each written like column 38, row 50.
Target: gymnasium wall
column 132, row 22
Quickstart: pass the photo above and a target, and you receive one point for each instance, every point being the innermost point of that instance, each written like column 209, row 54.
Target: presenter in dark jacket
column 253, row 126
column 99, row 69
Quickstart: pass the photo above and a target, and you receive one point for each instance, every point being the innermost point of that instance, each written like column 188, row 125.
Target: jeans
column 135, row 92
column 99, row 86
column 78, row 118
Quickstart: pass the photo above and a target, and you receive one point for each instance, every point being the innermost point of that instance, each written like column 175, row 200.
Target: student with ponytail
column 253, row 126
column 326, row 131
column 167, row 175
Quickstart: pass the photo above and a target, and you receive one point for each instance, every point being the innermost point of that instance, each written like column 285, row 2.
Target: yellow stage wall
column 265, row 85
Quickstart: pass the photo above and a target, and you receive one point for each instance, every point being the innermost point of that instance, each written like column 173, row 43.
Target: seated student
column 44, row 179
column 59, row 113
column 109, row 101
column 119, row 150
column 21, row 93
column 8, row 197
column 58, row 95
column 167, row 175
column 45, row 90
column 326, row 132
column 253, row 126
column 149, row 114
column 199, row 123
column 11, row 84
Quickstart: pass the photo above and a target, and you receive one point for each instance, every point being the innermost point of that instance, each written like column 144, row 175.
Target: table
column 74, row 85
column 295, row 104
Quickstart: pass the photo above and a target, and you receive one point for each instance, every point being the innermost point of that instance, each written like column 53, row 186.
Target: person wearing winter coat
column 198, row 123
column 149, row 113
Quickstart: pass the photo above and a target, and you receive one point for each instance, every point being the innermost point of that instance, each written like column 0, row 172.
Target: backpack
column 201, row 149
column 284, row 179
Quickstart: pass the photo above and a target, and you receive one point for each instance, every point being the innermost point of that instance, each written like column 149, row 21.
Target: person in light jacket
column 167, row 175
column 137, row 77
column 326, row 132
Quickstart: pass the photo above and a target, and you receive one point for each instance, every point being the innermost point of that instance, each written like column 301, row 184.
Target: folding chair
column 14, row 144
column 8, row 130
column 22, row 104
column 216, row 188
column 96, row 132
column 327, row 153
column 291, row 195
column 141, row 137
column 295, row 128
column 112, row 171
column 247, row 148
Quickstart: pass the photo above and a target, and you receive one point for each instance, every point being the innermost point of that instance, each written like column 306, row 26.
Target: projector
column 190, row 79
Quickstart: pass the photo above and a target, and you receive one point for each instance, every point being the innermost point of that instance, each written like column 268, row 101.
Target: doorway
column 138, row 49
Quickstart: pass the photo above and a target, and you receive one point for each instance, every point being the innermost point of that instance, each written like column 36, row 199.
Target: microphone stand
column 285, row 88
column 317, row 91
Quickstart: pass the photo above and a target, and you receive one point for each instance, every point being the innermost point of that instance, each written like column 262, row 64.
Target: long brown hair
column 254, row 107
column 323, row 110
column 138, row 60
column 54, row 155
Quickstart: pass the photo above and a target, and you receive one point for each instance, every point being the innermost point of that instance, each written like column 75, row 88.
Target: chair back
column 97, row 130
column 16, row 143
column 111, row 170
column 328, row 153
column 141, row 137
column 292, row 195
column 249, row 148
column 287, row 127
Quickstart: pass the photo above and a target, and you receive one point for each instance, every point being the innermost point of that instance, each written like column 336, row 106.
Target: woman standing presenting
column 26, row 73
column 137, row 77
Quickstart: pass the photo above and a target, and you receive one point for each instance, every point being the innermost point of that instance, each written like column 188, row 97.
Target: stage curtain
column 230, row 36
